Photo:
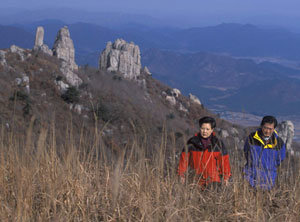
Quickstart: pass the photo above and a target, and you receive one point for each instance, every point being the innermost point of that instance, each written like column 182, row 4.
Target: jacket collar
column 270, row 145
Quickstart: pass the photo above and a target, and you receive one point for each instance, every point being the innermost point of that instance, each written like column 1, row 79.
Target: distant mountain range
column 15, row 36
column 223, row 82
column 198, row 60
column 231, row 39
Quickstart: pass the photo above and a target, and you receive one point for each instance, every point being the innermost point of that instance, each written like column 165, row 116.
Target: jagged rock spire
column 64, row 48
column 39, row 36
column 286, row 131
column 39, row 42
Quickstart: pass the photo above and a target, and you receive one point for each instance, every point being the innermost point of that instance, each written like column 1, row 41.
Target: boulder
column 194, row 99
column 19, row 51
column 71, row 77
column 2, row 57
column 63, row 87
column 146, row 71
column 176, row 92
column 182, row 108
column 173, row 92
column 23, row 82
column 171, row 100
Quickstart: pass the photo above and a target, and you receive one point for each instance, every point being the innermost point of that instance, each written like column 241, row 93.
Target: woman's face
column 206, row 130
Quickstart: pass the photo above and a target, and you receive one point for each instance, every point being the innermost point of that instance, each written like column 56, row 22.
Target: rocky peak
column 286, row 131
column 18, row 50
column 64, row 48
column 122, row 57
column 2, row 57
column 146, row 71
column 39, row 36
column 39, row 41
column 194, row 99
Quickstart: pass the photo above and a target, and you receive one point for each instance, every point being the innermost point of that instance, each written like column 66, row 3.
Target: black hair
column 269, row 119
column 209, row 120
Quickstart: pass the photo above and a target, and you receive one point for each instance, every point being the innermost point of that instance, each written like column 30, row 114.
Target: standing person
column 207, row 155
column 264, row 151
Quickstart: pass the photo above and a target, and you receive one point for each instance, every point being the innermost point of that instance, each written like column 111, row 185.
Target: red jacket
column 209, row 163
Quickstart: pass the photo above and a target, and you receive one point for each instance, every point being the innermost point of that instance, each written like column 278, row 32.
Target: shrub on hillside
column 107, row 111
column 71, row 95
column 170, row 116
column 59, row 78
column 19, row 95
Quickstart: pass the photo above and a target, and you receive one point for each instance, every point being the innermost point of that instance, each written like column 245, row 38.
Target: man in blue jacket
column 264, row 151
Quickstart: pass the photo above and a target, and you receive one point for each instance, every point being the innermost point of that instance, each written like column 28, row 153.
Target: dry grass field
column 87, row 180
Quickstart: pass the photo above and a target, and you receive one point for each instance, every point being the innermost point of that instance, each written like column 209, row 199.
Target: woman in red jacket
column 207, row 155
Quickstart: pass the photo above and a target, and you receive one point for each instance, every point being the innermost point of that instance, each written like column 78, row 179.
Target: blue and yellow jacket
column 263, row 159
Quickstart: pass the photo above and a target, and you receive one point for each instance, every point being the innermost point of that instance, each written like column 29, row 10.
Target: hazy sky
column 271, row 11
column 169, row 6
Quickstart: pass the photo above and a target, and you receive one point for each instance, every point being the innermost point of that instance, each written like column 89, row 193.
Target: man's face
column 267, row 129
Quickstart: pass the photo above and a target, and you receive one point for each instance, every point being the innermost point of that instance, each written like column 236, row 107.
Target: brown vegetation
column 86, row 180
column 117, row 160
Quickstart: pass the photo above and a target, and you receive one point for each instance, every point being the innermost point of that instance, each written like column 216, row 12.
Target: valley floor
column 246, row 119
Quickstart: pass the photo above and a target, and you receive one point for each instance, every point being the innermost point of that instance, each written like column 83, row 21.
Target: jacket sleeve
column 281, row 154
column 246, row 151
column 224, row 163
column 183, row 162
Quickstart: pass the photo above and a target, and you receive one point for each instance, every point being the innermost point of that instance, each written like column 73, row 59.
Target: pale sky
column 168, row 6
column 245, row 11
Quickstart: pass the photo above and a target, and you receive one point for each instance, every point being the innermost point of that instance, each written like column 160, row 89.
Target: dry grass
column 86, row 181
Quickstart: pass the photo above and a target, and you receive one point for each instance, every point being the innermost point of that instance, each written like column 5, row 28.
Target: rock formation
column 286, row 131
column 23, row 82
column 19, row 51
column 176, row 92
column 171, row 100
column 121, row 57
column 173, row 92
column 146, row 71
column 2, row 57
column 64, row 49
column 39, row 37
column 63, row 87
column 71, row 77
column 182, row 108
column 39, row 42
column 194, row 99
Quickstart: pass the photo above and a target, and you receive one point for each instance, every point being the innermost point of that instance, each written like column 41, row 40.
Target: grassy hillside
column 115, row 158
column 85, row 180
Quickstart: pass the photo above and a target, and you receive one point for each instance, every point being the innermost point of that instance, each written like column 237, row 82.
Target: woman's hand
column 182, row 179
column 226, row 182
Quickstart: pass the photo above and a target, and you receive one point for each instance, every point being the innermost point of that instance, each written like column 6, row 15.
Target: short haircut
column 270, row 120
column 209, row 120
